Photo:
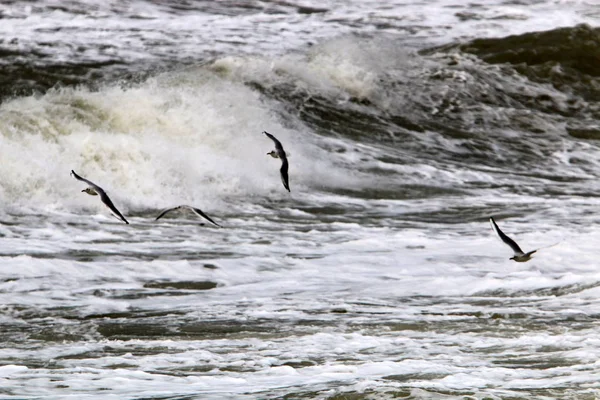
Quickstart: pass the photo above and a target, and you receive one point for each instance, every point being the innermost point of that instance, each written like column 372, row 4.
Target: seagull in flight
column 280, row 153
column 519, row 255
column 196, row 211
column 95, row 190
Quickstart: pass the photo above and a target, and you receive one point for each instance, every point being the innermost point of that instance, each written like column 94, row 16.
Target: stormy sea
column 406, row 124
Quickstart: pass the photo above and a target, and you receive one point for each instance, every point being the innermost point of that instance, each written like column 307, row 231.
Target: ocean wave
column 357, row 115
column 187, row 136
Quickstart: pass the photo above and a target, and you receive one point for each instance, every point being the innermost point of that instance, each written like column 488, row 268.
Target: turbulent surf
column 406, row 126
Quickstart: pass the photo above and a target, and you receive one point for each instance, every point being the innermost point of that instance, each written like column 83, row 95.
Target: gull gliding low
column 95, row 190
column 196, row 211
column 519, row 255
column 280, row 153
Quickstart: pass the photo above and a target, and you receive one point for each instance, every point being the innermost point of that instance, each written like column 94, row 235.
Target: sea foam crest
column 194, row 135
column 185, row 136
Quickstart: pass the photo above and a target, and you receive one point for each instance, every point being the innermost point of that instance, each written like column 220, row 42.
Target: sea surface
column 408, row 124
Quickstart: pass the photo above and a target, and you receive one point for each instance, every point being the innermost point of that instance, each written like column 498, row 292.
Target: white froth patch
column 186, row 137
column 342, row 68
column 8, row 370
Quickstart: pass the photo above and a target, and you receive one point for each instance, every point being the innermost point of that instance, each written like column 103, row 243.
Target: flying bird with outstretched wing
column 519, row 255
column 280, row 153
column 196, row 211
column 95, row 190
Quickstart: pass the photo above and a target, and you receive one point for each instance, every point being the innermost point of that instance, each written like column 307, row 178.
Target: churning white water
column 378, row 276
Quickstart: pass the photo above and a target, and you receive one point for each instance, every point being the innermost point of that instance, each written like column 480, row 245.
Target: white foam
column 187, row 137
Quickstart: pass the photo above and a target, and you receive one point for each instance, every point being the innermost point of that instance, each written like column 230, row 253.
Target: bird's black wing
column 199, row 212
column 278, row 145
column 162, row 214
column 106, row 200
column 513, row 245
column 284, row 173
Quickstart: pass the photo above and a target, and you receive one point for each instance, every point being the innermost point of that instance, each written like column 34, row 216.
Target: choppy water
column 408, row 125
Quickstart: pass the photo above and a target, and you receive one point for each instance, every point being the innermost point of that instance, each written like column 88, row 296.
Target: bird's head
column 90, row 191
column 273, row 154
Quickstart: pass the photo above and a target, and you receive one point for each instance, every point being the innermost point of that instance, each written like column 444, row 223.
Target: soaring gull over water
column 519, row 255
column 95, row 190
column 280, row 153
column 196, row 211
